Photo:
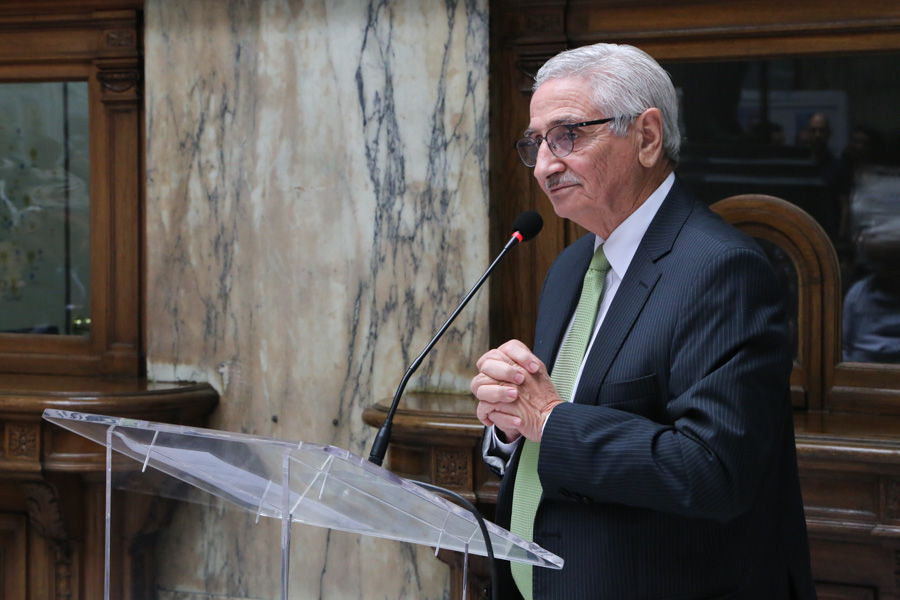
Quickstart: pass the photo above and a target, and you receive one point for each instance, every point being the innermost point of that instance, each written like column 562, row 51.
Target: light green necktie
column 527, row 491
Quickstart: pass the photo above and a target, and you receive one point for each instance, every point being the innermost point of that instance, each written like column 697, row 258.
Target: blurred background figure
column 864, row 148
column 872, row 305
column 816, row 137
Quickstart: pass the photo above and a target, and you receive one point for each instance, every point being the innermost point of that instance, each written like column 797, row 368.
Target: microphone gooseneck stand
column 526, row 226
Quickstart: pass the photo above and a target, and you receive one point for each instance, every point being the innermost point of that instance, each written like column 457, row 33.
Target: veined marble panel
column 316, row 207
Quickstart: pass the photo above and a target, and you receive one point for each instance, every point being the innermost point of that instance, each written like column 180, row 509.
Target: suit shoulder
column 705, row 229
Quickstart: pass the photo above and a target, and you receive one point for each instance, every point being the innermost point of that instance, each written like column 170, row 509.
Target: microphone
column 525, row 227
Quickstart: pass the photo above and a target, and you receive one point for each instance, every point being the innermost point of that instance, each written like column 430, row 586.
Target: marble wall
column 316, row 207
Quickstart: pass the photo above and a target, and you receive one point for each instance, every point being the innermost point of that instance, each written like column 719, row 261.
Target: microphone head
column 528, row 224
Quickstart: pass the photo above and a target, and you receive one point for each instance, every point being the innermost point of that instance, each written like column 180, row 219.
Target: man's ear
column 649, row 127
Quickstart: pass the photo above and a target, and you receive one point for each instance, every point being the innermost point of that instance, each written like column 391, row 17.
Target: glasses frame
column 570, row 126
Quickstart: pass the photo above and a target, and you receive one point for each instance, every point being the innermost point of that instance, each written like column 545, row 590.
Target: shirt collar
column 624, row 241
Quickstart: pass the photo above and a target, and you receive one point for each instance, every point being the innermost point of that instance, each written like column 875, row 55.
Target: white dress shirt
column 619, row 248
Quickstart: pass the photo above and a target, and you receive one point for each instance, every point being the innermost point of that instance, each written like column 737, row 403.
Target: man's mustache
column 558, row 180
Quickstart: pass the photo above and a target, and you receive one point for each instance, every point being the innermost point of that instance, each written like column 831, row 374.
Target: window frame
column 68, row 41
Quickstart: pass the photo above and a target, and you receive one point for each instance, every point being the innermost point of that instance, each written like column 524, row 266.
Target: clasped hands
column 514, row 391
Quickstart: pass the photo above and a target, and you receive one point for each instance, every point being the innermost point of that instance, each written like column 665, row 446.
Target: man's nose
column 546, row 162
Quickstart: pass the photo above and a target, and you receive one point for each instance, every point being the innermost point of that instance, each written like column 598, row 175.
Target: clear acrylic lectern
column 296, row 481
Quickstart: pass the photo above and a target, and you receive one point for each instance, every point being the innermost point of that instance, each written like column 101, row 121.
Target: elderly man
column 648, row 437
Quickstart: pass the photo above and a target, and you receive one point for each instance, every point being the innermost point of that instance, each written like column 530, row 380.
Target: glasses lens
column 528, row 150
column 561, row 141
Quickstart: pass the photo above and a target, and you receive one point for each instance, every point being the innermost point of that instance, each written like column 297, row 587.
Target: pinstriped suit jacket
column 673, row 472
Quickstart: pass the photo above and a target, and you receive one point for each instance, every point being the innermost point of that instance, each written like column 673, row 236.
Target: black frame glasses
column 560, row 139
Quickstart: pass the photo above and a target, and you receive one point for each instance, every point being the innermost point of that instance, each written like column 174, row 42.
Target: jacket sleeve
column 496, row 453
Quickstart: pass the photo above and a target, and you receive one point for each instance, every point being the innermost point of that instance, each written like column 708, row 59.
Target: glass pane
column 823, row 134
column 44, row 208
column 871, row 320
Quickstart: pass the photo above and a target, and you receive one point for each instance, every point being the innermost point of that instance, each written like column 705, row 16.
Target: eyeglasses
column 560, row 140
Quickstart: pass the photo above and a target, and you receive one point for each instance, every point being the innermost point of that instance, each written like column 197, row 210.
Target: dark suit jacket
column 673, row 472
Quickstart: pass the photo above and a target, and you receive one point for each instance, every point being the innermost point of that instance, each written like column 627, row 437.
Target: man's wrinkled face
column 592, row 177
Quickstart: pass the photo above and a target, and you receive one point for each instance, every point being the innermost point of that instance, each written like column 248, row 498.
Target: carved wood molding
column 121, row 38
column 45, row 517
column 44, row 512
column 530, row 61
column 452, row 467
column 119, row 81
column 892, row 499
column 31, row 33
column 539, row 31
column 22, row 441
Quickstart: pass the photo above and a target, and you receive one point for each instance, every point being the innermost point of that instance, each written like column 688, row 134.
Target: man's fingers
column 492, row 414
column 502, row 371
column 484, row 412
column 521, row 355
column 494, row 354
column 487, row 389
column 513, row 353
column 508, row 423
column 485, row 419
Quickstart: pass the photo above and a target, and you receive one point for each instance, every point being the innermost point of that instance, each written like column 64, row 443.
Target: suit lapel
column 640, row 279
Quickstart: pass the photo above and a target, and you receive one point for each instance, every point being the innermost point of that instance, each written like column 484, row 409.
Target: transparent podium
column 299, row 482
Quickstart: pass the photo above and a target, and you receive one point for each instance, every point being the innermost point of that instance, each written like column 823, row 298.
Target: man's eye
column 565, row 136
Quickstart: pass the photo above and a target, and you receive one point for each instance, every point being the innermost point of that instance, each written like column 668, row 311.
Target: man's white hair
column 625, row 81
